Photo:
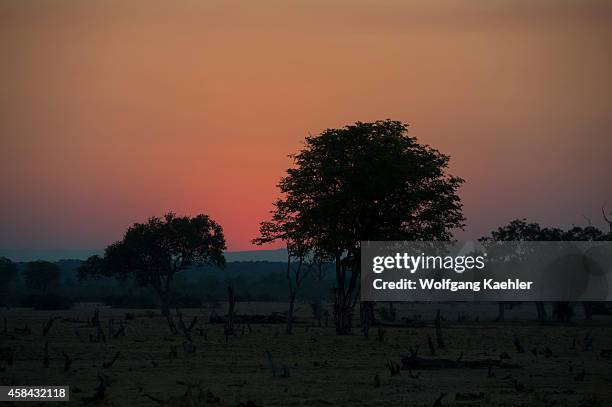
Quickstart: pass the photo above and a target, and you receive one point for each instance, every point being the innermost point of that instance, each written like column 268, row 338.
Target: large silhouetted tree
column 367, row 181
column 41, row 275
column 153, row 252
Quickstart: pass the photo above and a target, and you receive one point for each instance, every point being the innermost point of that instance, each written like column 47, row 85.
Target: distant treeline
column 253, row 281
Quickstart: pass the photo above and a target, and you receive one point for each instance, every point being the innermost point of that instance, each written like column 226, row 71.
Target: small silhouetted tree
column 367, row 181
column 300, row 256
column 519, row 230
column 8, row 274
column 578, row 233
column 296, row 272
column 41, row 275
column 155, row 251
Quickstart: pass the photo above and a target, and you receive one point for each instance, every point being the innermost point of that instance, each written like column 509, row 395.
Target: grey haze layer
column 22, row 255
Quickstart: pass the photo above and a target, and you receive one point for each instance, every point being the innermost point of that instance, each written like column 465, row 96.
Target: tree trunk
column 231, row 300
column 501, row 312
column 165, row 304
column 289, row 329
column 392, row 312
column 345, row 297
column 344, row 320
column 339, row 313
column 164, row 299
column 319, row 311
column 588, row 310
column 439, row 339
column 367, row 316
column 541, row 311
column 342, row 313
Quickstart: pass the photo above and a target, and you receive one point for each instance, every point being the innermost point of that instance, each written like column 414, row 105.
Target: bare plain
column 138, row 362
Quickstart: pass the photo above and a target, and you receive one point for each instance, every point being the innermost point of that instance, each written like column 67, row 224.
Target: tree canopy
column 153, row 252
column 367, row 181
column 8, row 272
column 41, row 275
column 522, row 230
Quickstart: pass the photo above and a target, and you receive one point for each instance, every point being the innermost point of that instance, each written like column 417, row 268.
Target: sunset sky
column 114, row 111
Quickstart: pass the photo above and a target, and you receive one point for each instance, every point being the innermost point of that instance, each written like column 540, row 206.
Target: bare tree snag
column 121, row 331
column 380, row 334
column 25, row 330
column 106, row 365
column 394, row 368
column 7, row 355
column 67, row 361
column 99, row 393
column 430, row 344
column 47, row 325
column 95, row 320
column 459, row 357
column 186, row 331
column 541, row 311
column 276, row 371
column 188, row 347
column 296, row 273
column 414, row 362
column 46, row 355
column 111, row 328
column 608, row 220
column 580, row 376
column 366, row 316
column 438, row 402
column 171, row 324
column 193, row 323
column 100, row 332
column 439, row 338
column 154, row 399
column 490, row 372
column 501, row 312
column 231, row 303
column 517, row 345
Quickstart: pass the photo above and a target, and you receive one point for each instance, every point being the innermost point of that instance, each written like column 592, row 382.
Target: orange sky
column 113, row 111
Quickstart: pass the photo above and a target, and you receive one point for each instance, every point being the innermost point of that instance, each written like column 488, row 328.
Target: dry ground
column 325, row 369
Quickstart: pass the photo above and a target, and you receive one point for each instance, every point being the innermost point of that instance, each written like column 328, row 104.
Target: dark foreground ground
column 562, row 365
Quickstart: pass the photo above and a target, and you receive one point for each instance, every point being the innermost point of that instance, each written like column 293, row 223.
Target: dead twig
column 517, row 345
column 415, row 362
column 47, row 325
column 106, row 365
column 430, row 344
column 121, row 331
column 67, row 361
column 394, row 368
column 46, row 355
column 100, row 391
column 277, row 371
column 439, row 339
column 438, row 402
